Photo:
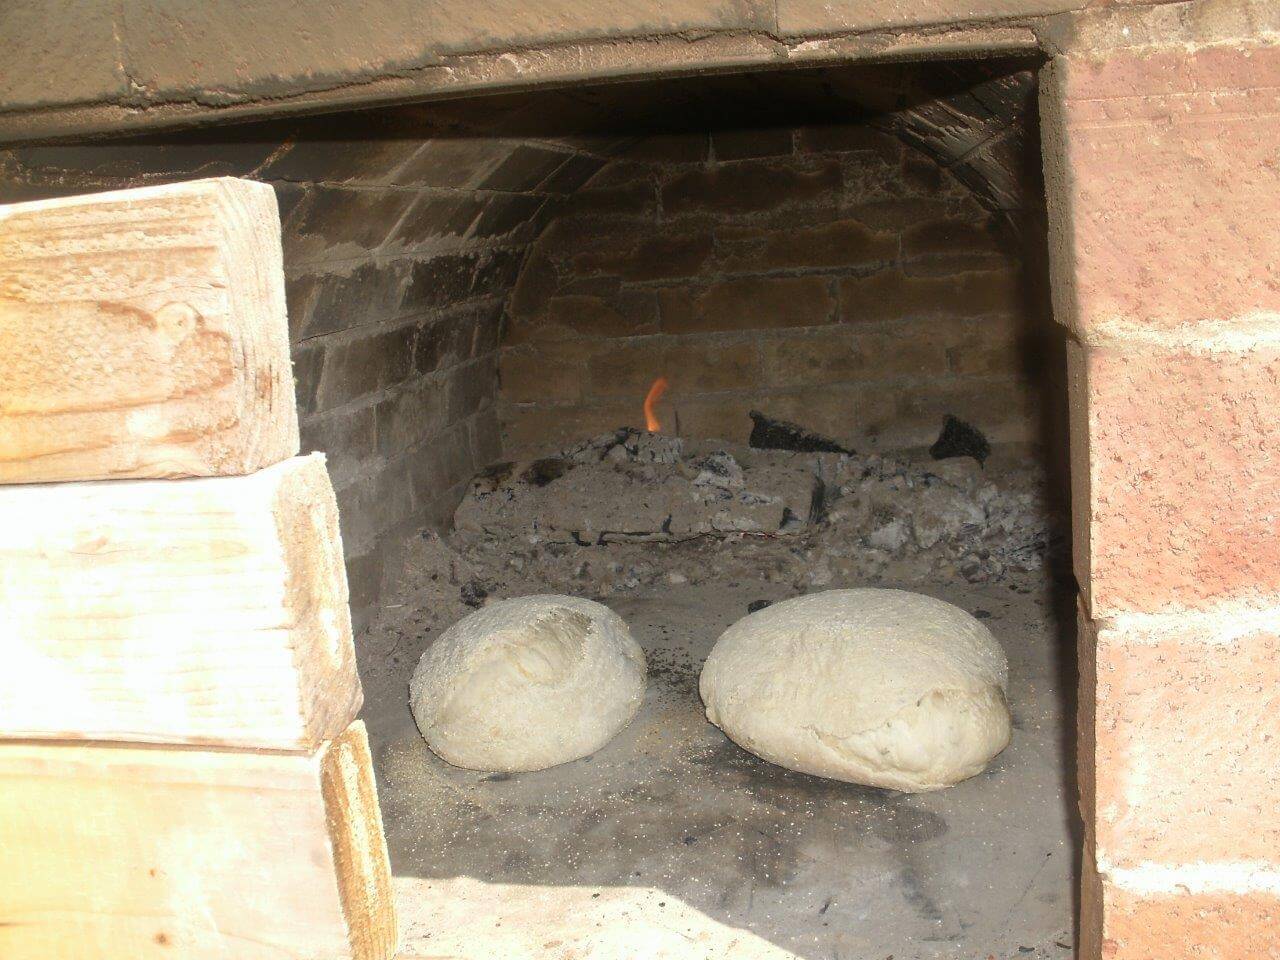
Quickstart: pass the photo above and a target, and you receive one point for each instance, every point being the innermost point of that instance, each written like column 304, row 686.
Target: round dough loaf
column 882, row 687
column 528, row 683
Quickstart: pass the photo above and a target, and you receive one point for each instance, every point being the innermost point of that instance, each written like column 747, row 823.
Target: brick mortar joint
column 765, row 336
column 764, row 391
column 441, row 378
column 1237, row 877
column 398, row 321
column 372, row 467
column 1244, row 333
column 1223, row 623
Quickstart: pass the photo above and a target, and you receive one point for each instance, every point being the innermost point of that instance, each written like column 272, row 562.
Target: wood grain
column 201, row 611
column 143, row 334
column 127, row 853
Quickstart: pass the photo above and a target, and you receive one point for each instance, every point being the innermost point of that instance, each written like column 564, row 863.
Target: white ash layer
column 812, row 518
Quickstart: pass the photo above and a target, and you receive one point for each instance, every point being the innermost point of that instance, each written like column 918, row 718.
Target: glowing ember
column 651, row 421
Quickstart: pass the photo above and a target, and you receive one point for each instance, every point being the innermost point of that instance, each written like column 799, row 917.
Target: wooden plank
column 202, row 611
column 143, row 334
column 135, row 853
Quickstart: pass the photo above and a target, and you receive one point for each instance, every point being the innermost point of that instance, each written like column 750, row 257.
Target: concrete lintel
column 618, row 59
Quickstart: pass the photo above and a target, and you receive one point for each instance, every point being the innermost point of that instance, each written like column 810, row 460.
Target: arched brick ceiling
column 975, row 118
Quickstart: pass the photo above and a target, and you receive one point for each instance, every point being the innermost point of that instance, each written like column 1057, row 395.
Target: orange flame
column 651, row 421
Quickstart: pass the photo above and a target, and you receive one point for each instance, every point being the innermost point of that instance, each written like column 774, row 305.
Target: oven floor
column 673, row 842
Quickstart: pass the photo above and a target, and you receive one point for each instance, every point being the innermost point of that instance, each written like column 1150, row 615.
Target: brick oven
column 503, row 229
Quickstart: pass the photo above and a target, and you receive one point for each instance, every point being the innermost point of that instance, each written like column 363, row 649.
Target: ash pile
column 631, row 509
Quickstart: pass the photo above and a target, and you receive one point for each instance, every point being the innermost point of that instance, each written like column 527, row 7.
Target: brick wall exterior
column 828, row 274
column 1163, row 191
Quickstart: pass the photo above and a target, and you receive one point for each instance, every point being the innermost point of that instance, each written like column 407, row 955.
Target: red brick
column 1178, row 502
column 1119, row 924
column 1186, row 736
column 1219, row 926
column 1164, row 197
column 1172, row 72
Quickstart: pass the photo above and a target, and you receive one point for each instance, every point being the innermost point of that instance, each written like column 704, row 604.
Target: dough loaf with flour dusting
column 528, row 683
column 880, row 687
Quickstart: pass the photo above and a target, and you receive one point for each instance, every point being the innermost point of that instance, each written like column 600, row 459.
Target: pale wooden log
column 203, row 611
column 143, row 334
column 135, row 853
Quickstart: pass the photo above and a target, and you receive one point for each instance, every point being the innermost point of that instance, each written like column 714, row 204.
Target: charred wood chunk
column 491, row 479
column 474, row 592
column 820, row 500
column 770, row 434
column 960, row 439
column 541, row 472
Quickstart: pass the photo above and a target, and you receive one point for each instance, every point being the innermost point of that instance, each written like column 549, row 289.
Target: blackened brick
column 346, row 438
column 438, row 282
column 572, row 174
column 497, row 271
column 440, row 215
column 326, row 303
column 505, row 212
column 750, row 187
column 410, row 415
column 525, row 168
column 308, row 363
column 368, row 363
column 339, row 217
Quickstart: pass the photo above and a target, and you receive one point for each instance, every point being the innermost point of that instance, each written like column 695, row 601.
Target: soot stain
column 907, row 824
column 776, row 786
column 916, row 895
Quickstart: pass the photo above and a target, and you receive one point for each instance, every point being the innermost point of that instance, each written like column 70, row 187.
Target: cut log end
column 143, row 335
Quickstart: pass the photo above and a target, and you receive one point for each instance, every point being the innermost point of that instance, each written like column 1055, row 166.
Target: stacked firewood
column 181, row 770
